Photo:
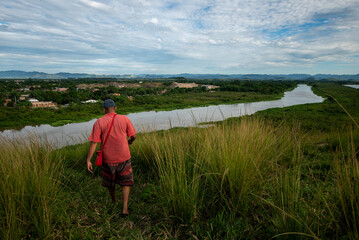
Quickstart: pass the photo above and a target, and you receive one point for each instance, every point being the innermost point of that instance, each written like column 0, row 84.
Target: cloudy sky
column 195, row 36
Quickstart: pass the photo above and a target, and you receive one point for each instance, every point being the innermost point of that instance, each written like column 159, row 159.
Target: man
column 116, row 166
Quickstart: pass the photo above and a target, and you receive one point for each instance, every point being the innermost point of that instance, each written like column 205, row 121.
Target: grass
column 321, row 117
column 255, row 177
column 30, row 189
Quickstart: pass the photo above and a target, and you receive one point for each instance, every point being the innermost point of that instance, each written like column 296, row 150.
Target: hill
column 15, row 74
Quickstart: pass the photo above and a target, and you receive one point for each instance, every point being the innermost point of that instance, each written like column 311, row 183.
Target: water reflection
column 352, row 86
column 149, row 121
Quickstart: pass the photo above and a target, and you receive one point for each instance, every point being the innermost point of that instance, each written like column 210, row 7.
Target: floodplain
column 286, row 173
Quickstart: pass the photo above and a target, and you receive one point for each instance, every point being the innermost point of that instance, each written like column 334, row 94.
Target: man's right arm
column 90, row 153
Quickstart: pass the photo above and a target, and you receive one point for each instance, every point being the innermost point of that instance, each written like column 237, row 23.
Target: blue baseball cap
column 108, row 103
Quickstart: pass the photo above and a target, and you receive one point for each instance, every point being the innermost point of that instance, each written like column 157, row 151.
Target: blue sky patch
column 287, row 31
column 4, row 23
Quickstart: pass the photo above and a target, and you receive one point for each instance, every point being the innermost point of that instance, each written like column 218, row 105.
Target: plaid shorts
column 120, row 173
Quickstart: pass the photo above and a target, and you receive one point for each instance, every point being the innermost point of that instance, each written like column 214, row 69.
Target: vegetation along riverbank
column 288, row 173
column 79, row 101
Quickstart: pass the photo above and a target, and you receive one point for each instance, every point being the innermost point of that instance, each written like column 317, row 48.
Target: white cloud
column 96, row 5
column 188, row 36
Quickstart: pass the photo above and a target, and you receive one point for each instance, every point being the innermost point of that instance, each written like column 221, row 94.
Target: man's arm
column 90, row 153
column 132, row 138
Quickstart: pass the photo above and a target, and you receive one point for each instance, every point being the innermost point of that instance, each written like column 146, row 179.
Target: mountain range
column 14, row 74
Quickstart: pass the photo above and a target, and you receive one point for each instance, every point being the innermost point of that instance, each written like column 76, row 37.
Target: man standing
column 116, row 166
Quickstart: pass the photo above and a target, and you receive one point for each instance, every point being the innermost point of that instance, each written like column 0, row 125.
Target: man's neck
column 110, row 111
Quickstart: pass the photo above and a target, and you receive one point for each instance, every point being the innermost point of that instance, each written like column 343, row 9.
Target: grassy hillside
column 255, row 177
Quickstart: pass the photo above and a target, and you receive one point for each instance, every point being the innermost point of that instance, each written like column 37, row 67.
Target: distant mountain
column 22, row 74
column 42, row 75
column 13, row 74
column 256, row 76
column 75, row 75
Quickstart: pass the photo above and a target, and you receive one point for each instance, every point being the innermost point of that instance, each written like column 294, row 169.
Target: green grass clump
column 30, row 189
column 220, row 167
column 255, row 173
column 346, row 167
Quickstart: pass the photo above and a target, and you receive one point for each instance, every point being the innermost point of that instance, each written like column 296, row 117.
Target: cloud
column 196, row 36
column 96, row 5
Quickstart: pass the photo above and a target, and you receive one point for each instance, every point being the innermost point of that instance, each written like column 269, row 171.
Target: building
column 24, row 97
column 210, row 87
column 90, row 101
column 183, row 85
column 116, row 94
column 36, row 104
column 60, row 89
column 7, row 101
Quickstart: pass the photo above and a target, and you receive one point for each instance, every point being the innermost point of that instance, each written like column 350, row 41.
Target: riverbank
column 162, row 120
column 253, row 177
column 188, row 101
column 17, row 118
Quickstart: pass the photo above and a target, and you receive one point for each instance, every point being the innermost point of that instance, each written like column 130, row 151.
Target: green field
column 287, row 173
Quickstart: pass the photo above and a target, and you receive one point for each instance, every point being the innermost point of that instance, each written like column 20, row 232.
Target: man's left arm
column 131, row 139
column 131, row 132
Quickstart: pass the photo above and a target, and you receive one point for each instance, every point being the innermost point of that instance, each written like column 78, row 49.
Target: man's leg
column 125, row 197
column 112, row 193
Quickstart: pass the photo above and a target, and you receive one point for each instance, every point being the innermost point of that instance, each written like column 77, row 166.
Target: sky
column 172, row 37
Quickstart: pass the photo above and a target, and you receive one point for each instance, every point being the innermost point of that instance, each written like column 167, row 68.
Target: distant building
column 24, row 97
column 183, row 85
column 36, row 104
column 116, row 94
column 7, row 101
column 61, row 89
column 209, row 87
column 90, row 101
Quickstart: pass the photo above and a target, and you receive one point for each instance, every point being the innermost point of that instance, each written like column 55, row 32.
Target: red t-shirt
column 116, row 148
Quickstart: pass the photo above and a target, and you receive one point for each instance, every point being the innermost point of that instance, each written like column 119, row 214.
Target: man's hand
column 132, row 138
column 89, row 167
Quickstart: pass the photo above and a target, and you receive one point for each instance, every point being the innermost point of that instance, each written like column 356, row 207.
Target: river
column 353, row 86
column 150, row 121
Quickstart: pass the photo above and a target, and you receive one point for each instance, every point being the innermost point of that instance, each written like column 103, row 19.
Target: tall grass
column 29, row 189
column 245, row 179
column 256, row 173
column 346, row 167
column 217, row 167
